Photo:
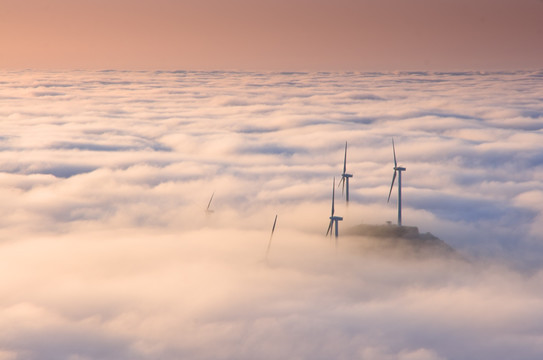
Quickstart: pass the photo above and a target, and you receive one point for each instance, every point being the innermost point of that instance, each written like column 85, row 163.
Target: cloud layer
column 106, row 251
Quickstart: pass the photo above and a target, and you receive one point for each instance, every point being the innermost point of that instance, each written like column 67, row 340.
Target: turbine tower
column 345, row 177
column 333, row 219
column 397, row 169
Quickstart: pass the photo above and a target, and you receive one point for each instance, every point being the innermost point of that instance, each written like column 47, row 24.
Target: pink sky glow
column 363, row 35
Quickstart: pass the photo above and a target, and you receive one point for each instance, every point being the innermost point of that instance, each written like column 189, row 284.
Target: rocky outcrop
column 402, row 239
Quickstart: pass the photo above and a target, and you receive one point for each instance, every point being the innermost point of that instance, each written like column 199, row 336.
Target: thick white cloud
column 106, row 251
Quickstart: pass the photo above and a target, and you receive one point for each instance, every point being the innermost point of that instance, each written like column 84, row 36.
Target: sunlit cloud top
column 106, row 251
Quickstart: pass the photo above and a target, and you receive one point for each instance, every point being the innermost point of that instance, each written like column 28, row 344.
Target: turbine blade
column 274, row 222
column 345, row 159
column 329, row 227
column 271, row 236
column 391, row 185
column 210, row 200
column 394, row 152
column 333, row 194
column 342, row 181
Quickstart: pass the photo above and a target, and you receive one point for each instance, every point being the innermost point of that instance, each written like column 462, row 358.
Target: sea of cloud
column 106, row 251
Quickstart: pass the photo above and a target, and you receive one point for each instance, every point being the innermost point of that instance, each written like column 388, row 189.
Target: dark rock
column 406, row 240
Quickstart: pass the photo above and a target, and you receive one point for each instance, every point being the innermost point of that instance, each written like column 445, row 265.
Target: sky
column 106, row 251
column 273, row 35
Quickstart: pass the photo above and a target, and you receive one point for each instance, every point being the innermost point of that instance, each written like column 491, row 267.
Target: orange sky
column 363, row 35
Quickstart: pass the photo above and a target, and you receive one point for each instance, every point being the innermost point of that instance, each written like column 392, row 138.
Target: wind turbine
column 271, row 236
column 333, row 219
column 397, row 169
column 345, row 177
column 209, row 211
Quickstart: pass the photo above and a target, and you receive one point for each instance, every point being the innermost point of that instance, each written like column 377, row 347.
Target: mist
column 107, row 252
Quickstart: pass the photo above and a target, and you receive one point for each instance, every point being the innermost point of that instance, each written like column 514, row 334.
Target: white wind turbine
column 345, row 177
column 333, row 219
column 397, row 169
